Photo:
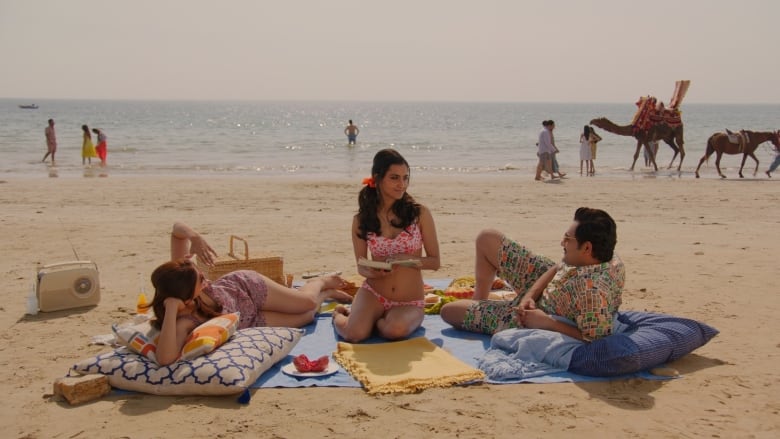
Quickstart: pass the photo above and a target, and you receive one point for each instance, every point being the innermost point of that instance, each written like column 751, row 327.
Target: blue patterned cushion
column 649, row 340
column 230, row 369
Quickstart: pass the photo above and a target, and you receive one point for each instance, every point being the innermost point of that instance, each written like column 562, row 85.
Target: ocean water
column 306, row 138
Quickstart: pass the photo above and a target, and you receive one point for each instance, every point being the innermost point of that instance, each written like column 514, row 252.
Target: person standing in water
column 51, row 142
column 352, row 132
column 102, row 146
column 87, row 147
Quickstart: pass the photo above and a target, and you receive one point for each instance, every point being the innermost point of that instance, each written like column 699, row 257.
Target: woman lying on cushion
column 187, row 298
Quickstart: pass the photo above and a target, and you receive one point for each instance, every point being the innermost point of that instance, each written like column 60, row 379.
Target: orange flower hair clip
column 369, row 181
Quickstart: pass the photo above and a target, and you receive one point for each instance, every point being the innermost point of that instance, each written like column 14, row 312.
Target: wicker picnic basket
column 271, row 266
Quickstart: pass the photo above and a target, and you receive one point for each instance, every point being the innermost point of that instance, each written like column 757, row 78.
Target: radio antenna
column 69, row 241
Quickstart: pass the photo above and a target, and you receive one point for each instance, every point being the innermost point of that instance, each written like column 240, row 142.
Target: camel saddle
column 651, row 112
column 741, row 138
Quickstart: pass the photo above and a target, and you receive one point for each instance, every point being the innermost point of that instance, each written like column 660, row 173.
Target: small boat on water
column 29, row 107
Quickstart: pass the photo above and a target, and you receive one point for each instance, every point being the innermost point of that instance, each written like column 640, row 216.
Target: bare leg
column 455, row 312
column 289, row 307
column 400, row 322
column 357, row 323
column 548, row 166
column 488, row 244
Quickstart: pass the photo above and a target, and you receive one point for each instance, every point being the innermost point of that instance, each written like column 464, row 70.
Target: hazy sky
column 421, row 50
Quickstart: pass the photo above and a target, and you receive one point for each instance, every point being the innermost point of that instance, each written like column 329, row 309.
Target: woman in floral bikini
column 392, row 226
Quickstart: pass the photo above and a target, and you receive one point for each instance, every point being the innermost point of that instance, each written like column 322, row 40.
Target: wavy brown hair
column 175, row 279
column 406, row 209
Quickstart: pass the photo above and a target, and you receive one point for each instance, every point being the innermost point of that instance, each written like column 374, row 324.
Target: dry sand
column 704, row 249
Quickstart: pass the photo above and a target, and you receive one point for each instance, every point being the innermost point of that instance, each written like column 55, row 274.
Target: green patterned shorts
column 519, row 267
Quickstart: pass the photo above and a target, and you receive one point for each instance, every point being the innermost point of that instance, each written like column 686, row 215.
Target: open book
column 389, row 265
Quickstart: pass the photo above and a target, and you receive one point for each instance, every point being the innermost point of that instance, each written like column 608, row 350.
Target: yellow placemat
column 404, row 366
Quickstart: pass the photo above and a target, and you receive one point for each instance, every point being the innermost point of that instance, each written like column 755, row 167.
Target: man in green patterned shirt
column 585, row 287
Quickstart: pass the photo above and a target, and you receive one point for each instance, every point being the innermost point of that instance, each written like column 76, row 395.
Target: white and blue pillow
column 230, row 369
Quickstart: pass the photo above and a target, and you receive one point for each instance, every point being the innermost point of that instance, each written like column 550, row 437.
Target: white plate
column 290, row 369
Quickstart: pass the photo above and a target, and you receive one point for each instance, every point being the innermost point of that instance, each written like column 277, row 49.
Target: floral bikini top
column 407, row 242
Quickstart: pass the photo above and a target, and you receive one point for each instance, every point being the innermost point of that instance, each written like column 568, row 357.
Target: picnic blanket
column 321, row 339
column 471, row 348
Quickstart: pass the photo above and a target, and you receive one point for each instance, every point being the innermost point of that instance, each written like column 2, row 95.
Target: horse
column 719, row 143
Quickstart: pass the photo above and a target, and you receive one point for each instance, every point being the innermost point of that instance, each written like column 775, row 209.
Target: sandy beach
column 703, row 249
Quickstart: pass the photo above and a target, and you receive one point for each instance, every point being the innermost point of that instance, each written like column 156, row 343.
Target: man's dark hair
column 598, row 228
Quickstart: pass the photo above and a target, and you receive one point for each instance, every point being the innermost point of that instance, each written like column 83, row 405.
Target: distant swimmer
column 352, row 132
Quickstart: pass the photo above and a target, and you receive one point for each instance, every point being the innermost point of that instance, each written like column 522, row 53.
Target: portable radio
column 66, row 285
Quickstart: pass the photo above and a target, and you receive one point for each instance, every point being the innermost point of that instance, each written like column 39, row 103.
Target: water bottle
column 32, row 298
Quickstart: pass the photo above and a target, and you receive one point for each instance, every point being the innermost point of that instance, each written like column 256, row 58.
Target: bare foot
column 341, row 309
column 338, row 296
column 331, row 281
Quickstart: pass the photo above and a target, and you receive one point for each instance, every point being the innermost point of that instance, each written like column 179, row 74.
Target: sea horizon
column 259, row 137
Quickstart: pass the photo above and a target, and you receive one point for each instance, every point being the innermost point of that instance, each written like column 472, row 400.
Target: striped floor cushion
column 649, row 340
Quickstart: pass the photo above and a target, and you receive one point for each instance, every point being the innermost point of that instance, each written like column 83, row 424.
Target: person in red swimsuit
column 392, row 226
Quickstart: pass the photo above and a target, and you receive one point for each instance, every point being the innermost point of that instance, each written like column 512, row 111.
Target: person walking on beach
column 586, row 287
column 594, row 140
column 545, row 152
column 555, row 167
column 102, row 146
column 585, row 151
column 393, row 227
column 352, row 132
column 652, row 146
column 51, row 142
column 87, row 147
column 184, row 298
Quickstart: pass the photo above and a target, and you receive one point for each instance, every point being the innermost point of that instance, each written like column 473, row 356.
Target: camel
column 720, row 144
column 672, row 136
